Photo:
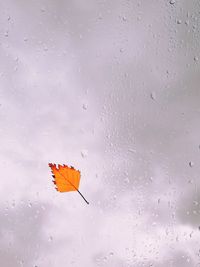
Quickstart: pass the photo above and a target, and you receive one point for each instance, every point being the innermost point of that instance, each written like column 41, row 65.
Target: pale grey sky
column 111, row 88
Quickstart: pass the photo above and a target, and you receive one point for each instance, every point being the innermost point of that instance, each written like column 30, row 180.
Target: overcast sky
column 111, row 88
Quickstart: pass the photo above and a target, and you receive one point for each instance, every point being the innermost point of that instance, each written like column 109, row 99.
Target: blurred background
column 110, row 87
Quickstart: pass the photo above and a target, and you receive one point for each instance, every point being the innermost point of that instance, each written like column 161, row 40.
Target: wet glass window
column 110, row 87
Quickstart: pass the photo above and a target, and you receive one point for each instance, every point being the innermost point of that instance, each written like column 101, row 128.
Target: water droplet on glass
column 126, row 180
column 195, row 203
column 84, row 153
column 13, row 204
column 111, row 254
column 178, row 21
column 196, row 58
column 153, row 95
column 21, row 262
column 188, row 259
column 187, row 22
column 100, row 17
column 85, row 106
column 191, row 164
column 105, row 259
column 172, row 2
column 131, row 150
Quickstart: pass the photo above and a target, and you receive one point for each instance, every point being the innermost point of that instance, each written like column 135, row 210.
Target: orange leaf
column 66, row 178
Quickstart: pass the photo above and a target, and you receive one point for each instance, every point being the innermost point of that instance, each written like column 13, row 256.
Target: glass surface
column 113, row 89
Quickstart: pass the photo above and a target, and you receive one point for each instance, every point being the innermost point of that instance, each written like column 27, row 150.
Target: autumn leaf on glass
column 66, row 178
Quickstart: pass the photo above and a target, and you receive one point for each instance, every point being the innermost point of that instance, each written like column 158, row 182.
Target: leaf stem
column 82, row 196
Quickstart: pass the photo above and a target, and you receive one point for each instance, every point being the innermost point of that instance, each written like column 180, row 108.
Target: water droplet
column 196, row 58
column 111, row 254
column 151, row 179
column 105, row 259
column 85, row 106
column 114, row 197
column 21, row 262
column 178, row 21
column 84, row 153
column 187, row 22
column 43, row 207
column 153, row 95
column 194, row 27
column 172, row 2
column 13, row 204
column 131, row 150
column 126, row 180
column 191, row 164
column 188, row 259
column 100, row 17
column 51, row 238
